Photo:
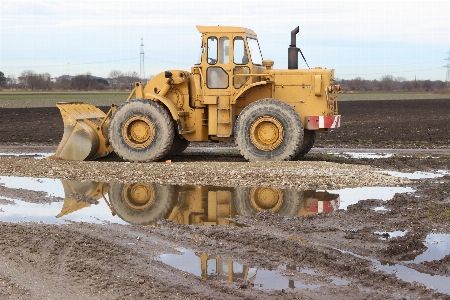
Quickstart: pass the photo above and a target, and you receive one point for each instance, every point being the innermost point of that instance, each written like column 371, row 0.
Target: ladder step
column 183, row 113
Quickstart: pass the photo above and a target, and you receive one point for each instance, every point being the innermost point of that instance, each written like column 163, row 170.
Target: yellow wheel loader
column 231, row 93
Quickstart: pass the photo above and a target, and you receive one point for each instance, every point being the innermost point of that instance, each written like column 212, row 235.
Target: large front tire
column 268, row 129
column 141, row 131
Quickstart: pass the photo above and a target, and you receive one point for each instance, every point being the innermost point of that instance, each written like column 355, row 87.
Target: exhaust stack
column 293, row 50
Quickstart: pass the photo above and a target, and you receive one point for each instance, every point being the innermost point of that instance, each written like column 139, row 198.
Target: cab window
column 254, row 50
column 240, row 55
column 216, row 78
column 200, row 54
column 224, row 50
column 212, row 50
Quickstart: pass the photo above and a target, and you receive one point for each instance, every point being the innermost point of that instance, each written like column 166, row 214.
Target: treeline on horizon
column 29, row 80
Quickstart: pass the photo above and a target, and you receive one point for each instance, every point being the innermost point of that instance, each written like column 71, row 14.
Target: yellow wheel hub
column 138, row 196
column 266, row 199
column 266, row 133
column 138, row 132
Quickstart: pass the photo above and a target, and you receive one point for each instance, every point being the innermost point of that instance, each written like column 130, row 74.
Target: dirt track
column 338, row 255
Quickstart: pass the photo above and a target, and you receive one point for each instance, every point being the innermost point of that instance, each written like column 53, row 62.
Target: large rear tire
column 309, row 137
column 268, row 129
column 141, row 204
column 141, row 131
column 179, row 145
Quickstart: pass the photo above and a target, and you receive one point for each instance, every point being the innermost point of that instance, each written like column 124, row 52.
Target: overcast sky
column 365, row 39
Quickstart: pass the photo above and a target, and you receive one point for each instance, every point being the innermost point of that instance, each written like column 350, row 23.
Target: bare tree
column 130, row 78
column 84, row 82
column 64, row 84
column 27, row 79
column 426, row 85
column 11, row 81
column 356, row 84
column 46, row 81
column 387, row 82
column 114, row 78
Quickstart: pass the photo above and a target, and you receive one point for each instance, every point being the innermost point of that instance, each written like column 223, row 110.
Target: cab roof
column 225, row 29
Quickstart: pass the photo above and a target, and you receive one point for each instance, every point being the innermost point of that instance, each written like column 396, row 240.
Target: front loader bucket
column 85, row 132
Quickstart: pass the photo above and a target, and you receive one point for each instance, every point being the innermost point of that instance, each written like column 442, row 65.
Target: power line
column 142, row 70
column 65, row 65
column 447, row 79
column 393, row 72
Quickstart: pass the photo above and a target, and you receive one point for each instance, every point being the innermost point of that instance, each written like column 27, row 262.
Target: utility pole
column 142, row 70
column 447, row 79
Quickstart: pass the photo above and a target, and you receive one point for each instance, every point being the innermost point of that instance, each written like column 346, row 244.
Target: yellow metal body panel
column 174, row 95
column 139, row 90
column 211, row 99
column 212, row 119
column 318, row 85
column 304, row 87
column 167, row 103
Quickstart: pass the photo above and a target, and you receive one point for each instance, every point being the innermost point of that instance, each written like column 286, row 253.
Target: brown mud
column 343, row 254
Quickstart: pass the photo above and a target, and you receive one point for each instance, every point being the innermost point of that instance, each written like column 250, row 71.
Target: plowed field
column 370, row 124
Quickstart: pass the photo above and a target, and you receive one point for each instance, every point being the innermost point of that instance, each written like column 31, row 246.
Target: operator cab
column 227, row 55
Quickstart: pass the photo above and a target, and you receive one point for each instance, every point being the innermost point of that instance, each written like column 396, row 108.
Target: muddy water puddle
column 215, row 268
column 384, row 235
column 147, row 203
column 358, row 155
column 39, row 155
column 419, row 175
column 438, row 247
column 66, row 201
column 352, row 196
column 26, row 203
column 439, row 283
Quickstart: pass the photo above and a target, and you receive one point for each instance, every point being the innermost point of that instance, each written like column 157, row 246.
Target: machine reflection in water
column 215, row 268
column 147, row 203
